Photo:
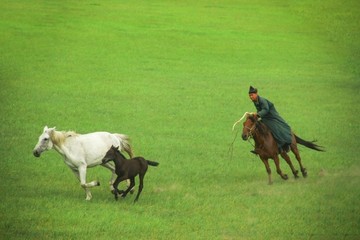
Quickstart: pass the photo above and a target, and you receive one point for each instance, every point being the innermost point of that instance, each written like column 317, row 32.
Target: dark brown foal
column 127, row 169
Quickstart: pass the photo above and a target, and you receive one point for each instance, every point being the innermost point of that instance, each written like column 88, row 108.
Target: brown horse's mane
column 122, row 155
column 260, row 126
column 263, row 129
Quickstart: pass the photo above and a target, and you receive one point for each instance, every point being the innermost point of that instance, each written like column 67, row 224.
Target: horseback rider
column 271, row 118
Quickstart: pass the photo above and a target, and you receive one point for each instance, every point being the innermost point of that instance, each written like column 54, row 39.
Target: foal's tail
column 310, row 144
column 152, row 163
column 125, row 143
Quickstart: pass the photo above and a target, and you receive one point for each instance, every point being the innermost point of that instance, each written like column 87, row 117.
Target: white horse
column 81, row 151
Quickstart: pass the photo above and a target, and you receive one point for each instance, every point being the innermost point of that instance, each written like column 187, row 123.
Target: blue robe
column 271, row 118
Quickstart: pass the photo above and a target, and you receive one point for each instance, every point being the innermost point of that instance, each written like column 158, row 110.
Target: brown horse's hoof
column 114, row 191
column 304, row 172
column 285, row 177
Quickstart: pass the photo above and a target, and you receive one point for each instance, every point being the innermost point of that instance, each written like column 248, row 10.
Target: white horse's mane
column 59, row 138
column 70, row 133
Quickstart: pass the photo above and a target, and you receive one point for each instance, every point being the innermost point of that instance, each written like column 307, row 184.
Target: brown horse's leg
column 132, row 184
column 278, row 170
column 285, row 156
column 115, row 185
column 141, row 185
column 268, row 170
column 295, row 150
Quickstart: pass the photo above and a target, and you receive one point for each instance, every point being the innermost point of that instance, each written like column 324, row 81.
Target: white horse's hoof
column 88, row 197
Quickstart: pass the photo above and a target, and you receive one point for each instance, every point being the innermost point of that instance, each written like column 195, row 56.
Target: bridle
column 246, row 114
column 251, row 130
column 251, row 133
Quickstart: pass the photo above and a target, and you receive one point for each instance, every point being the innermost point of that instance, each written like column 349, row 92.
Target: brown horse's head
column 249, row 126
column 110, row 154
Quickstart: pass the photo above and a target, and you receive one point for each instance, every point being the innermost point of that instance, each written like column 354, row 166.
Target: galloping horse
column 127, row 169
column 81, row 151
column 266, row 146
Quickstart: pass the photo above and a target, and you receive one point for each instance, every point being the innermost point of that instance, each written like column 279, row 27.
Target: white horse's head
column 44, row 142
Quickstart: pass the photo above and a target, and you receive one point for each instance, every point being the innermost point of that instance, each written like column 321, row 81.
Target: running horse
column 266, row 146
column 81, row 151
column 127, row 169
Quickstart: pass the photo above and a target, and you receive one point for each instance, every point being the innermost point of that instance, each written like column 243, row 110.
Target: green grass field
column 174, row 76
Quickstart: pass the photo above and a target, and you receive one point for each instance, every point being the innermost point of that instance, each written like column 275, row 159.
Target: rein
column 231, row 147
column 250, row 130
column 251, row 134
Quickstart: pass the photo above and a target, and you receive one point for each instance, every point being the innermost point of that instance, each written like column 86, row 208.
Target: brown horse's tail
column 152, row 163
column 308, row 144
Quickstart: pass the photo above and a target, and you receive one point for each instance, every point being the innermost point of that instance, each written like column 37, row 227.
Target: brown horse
column 127, row 169
column 266, row 146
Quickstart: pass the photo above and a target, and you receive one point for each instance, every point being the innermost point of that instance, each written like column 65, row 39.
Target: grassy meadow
column 174, row 76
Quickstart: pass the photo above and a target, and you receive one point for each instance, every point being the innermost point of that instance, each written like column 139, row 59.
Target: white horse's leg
column 111, row 167
column 84, row 184
column 87, row 192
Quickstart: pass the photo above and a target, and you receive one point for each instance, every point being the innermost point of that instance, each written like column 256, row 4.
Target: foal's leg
column 278, row 170
column 111, row 167
column 268, row 170
column 141, row 185
column 115, row 185
column 295, row 150
column 131, row 186
column 285, row 156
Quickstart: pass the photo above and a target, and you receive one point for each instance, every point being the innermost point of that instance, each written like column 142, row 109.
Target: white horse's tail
column 125, row 143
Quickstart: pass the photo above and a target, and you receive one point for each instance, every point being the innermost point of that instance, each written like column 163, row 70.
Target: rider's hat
column 252, row 90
